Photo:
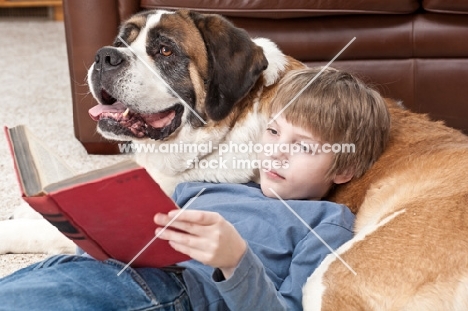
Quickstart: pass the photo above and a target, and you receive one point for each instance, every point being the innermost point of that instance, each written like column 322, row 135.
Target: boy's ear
column 343, row 177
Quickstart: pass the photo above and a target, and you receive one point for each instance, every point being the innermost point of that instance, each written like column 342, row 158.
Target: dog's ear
column 235, row 63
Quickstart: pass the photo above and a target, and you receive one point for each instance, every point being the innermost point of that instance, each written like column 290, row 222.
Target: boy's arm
column 250, row 288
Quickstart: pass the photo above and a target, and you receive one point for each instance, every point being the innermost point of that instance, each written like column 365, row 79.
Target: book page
column 92, row 175
column 50, row 167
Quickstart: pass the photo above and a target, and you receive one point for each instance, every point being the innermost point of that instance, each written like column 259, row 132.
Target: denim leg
column 81, row 283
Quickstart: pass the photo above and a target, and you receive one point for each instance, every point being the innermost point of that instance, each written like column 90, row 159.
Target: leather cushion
column 433, row 86
column 287, row 9
column 377, row 36
column 446, row 6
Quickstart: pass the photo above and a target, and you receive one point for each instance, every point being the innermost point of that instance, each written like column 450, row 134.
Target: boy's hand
column 207, row 237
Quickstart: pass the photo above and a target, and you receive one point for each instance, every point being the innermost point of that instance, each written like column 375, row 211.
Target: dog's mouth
column 115, row 117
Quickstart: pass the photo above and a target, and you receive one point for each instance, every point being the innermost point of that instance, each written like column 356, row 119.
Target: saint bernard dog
column 181, row 80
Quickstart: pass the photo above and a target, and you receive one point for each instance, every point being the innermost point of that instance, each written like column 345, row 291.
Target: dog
column 178, row 78
column 175, row 79
column 410, row 250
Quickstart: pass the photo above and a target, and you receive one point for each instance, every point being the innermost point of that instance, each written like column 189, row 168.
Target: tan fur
column 419, row 259
column 198, row 86
column 140, row 22
column 188, row 37
column 137, row 20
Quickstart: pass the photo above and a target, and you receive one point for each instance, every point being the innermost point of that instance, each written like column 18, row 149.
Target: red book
column 107, row 212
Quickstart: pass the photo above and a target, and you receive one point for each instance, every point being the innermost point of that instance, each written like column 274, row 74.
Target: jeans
column 81, row 283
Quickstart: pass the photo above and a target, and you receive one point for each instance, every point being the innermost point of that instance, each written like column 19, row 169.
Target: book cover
column 108, row 212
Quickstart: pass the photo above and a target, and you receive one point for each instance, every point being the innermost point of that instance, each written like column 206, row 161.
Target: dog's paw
column 24, row 211
column 23, row 236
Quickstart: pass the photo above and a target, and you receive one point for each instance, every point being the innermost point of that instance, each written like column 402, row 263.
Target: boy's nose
column 280, row 153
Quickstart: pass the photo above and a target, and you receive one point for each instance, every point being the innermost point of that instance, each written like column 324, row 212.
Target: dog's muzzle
column 114, row 116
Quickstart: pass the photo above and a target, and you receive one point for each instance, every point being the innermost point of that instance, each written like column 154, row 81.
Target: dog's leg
column 24, row 211
column 33, row 236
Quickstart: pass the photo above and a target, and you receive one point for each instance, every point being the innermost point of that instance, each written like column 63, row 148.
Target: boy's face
column 294, row 170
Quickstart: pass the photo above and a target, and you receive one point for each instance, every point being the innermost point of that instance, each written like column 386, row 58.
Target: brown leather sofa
column 412, row 50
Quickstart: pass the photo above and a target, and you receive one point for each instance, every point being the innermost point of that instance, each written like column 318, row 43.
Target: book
column 107, row 212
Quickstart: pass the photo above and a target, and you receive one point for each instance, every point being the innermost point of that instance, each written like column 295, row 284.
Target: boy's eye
column 272, row 131
column 304, row 147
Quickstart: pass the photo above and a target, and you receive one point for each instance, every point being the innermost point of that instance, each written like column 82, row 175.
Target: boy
column 250, row 251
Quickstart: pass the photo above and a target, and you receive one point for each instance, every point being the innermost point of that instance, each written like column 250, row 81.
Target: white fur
column 460, row 301
column 29, row 232
column 33, row 236
column 277, row 61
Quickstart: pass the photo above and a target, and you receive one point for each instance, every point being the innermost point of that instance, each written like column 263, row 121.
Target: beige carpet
column 35, row 90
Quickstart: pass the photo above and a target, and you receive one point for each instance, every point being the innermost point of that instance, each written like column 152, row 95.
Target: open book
column 107, row 212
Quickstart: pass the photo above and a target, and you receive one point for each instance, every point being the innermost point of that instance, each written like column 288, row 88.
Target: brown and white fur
column 216, row 68
column 410, row 251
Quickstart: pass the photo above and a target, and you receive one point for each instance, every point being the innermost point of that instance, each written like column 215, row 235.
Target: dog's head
column 167, row 70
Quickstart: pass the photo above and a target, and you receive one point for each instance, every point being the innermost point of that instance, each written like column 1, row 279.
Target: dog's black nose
column 108, row 58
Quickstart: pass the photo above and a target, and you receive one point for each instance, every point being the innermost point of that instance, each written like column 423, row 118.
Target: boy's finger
column 203, row 218
column 188, row 227
column 187, row 240
column 163, row 220
column 194, row 253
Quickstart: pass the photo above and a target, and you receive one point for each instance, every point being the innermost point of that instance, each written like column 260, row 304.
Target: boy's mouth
column 273, row 174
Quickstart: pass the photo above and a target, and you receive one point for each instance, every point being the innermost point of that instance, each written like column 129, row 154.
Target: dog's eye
column 165, row 51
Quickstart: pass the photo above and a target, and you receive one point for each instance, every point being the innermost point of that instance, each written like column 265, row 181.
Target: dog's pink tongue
column 97, row 110
column 159, row 120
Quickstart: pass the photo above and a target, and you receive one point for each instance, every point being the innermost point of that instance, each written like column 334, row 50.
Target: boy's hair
column 339, row 109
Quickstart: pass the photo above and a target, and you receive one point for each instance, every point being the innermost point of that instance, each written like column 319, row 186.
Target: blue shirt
column 282, row 252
